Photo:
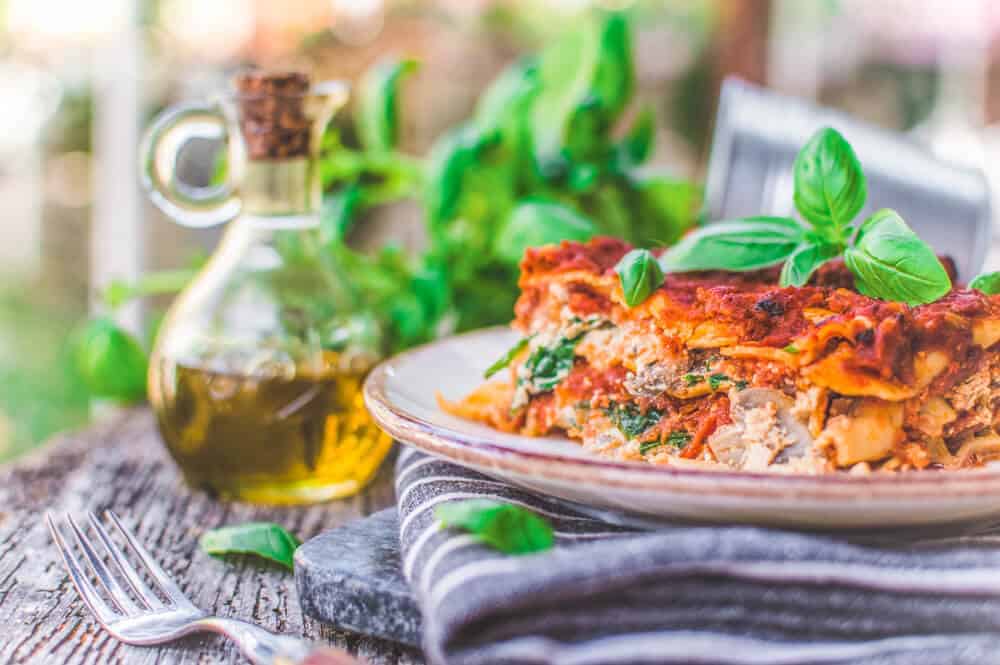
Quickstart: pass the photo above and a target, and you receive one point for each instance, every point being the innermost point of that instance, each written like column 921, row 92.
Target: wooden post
column 741, row 46
column 117, row 247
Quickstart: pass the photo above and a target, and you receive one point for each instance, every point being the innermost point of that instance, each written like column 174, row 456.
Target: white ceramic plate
column 400, row 394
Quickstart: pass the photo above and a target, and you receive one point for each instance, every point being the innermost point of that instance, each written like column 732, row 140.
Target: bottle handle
column 189, row 205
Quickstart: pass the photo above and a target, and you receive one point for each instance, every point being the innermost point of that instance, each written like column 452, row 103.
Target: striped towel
column 689, row 594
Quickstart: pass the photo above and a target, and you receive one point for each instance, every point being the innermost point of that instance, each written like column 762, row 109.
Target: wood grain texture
column 122, row 466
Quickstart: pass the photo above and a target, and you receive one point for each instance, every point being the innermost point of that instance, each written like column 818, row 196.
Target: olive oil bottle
column 256, row 375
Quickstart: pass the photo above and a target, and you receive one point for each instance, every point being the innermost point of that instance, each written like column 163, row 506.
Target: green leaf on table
column 111, row 362
column 830, row 187
column 537, row 223
column 503, row 526
column 804, row 261
column 507, row 358
column 377, row 115
column 988, row 283
column 264, row 539
column 891, row 262
column 637, row 145
column 639, row 274
column 744, row 244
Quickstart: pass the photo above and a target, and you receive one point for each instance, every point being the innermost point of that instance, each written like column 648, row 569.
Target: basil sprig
column 503, row 526
column 640, row 275
column 888, row 260
column 988, row 283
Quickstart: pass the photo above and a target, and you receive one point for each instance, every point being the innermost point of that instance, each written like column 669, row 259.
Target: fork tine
column 87, row 592
column 166, row 584
column 116, row 593
column 146, row 595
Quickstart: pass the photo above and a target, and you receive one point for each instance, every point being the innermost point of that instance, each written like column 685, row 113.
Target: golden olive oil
column 293, row 437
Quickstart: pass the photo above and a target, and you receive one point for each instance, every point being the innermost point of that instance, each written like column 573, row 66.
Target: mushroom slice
column 764, row 430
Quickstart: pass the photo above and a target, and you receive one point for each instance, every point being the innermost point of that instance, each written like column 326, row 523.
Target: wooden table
column 121, row 465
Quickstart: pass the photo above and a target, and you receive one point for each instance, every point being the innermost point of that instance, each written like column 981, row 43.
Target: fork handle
column 262, row 647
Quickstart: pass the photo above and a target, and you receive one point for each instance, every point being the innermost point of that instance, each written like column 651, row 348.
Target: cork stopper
column 272, row 114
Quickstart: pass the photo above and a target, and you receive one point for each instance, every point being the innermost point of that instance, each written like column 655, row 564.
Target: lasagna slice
column 729, row 370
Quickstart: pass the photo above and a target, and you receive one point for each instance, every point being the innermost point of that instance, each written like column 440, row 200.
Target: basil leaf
column 988, row 283
column 666, row 208
column 745, row 244
column 614, row 75
column 338, row 213
column 635, row 148
column 639, row 274
column 804, row 261
column 263, row 539
column 830, row 187
column 891, row 262
column 450, row 160
column 584, row 138
column 506, row 358
column 593, row 62
column 505, row 106
column 503, row 526
column 540, row 223
column 377, row 116
column 111, row 361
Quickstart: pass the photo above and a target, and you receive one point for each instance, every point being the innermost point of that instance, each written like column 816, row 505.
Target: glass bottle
column 257, row 370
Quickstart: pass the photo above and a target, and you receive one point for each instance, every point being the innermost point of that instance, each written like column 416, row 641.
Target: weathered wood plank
column 121, row 465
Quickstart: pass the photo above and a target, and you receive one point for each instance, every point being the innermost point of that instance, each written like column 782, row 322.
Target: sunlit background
column 79, row 80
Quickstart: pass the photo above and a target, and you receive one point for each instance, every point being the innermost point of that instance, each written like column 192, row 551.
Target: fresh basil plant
column 889, row 261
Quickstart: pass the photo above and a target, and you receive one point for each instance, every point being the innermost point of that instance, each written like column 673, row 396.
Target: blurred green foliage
column 41, row 392
column 553, row 151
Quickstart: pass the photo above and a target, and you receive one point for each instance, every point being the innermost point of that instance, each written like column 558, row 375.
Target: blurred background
column 79, row 81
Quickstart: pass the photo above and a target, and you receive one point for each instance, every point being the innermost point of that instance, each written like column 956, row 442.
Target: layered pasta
column 730, row 371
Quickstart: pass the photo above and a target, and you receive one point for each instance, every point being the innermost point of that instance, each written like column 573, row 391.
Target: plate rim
column 435, row 438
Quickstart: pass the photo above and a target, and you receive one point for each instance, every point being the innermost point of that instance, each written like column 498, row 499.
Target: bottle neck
column 276, row 189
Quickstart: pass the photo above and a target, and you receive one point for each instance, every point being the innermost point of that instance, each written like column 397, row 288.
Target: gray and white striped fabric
column 688, row 594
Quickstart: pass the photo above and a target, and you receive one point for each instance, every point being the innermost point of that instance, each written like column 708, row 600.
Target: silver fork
column 144, row 618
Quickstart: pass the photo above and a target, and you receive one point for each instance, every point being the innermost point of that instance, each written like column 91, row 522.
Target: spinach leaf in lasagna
column 676, row 439
column 630, row 420
column 548, row 365
column 506, row 358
